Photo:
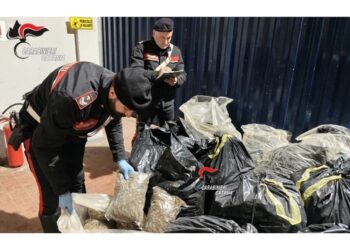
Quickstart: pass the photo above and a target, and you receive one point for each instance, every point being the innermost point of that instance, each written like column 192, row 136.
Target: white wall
column 18, row 76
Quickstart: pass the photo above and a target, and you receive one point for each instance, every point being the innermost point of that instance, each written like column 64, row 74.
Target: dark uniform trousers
column 72, row 155
column 162, row 110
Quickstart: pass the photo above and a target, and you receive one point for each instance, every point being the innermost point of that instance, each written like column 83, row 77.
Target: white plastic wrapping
column 95, row 201
column 87, row 207
column 91, row 206
column 208, row 115
column 69, row 223
column 326, row 128
column 335, row 139
column 129, row 199
column 290, row 159
column 259, row 139
column 88, row 215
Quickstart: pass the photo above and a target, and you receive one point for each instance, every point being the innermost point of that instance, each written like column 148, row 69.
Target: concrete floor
column 19, row 199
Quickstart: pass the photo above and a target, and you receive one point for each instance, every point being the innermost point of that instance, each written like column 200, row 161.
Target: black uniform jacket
column 149, row 56
column 71, row 102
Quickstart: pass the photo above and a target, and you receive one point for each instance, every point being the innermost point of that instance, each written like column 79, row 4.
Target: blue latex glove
column 65, row 202
column 125, row 168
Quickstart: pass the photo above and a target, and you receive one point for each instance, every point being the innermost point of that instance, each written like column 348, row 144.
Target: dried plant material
column 94, row 225
column 129, row 199
column 164, row 209
column 260, row 139
column 333, row 138
column 126, row 226
column 97, row 215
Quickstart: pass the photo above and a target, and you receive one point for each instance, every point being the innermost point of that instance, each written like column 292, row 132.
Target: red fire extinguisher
column 14, row 157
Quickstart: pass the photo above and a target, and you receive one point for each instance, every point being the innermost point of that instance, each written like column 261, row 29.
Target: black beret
column 164, row 24
column 133, row 89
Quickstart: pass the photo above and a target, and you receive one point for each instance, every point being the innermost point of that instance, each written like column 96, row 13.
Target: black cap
column 164, row 24
column 133, row 89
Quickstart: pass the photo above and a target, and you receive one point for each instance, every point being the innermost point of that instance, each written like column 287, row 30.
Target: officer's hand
column 171, row 81
column 65, row 202
column 163, row 70
column 125, row 168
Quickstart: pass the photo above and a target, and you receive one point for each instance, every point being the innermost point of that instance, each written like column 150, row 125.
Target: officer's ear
column 111, row 92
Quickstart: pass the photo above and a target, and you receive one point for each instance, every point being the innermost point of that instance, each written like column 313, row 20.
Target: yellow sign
column 82, row 23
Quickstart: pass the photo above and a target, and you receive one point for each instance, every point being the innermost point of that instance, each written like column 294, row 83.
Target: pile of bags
column 199, row 175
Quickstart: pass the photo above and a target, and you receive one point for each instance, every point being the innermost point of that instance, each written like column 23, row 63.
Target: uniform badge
column 174, row 59
column 85, row 125
column 86, row 99
column 150, row 57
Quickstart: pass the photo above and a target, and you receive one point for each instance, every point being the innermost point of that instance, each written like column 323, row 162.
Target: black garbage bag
column 148, row 149
column 326, row 192
column 169, row 160
column 178, row 130
column 177, row 162
column 326, row 228
column 190, row 192
column 287, row 160
column 197, row 144
column 230, row 159
column 207, row 224
column 270, row 203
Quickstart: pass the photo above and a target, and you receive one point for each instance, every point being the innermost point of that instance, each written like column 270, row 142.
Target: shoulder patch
column 150, row 57
column 60, row 74
column 174, row 59
column 86, row 99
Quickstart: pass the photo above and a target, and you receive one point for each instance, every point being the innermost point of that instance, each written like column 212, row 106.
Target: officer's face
column 119, row 109
column 162, row 38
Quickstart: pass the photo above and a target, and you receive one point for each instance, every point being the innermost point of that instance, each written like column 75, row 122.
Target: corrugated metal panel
column 290, row 73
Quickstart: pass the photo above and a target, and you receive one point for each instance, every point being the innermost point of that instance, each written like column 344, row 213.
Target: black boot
column 49, row 222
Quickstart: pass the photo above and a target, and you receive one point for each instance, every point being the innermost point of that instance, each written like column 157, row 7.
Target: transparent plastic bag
column 91, row 205
column 209, row 116
column 87, row 207
column 335, row 139
column 327, row 128
column 129, row 198
column 259, row 139
column 295, row 157
column 69, row 223
column 164, row 209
